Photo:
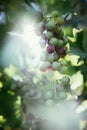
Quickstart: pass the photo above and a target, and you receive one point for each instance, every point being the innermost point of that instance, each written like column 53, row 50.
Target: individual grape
column 63, row 63
column 56, row 56
column 45, row 66
column 58, row 30
column 51, row 25
column 43, row 36
column 49, row 102
column 49, row 34
column 53, row 41
column 61, row 34
column 49, row 95
column 39, row 28
column 63, row 70
column 42, row 43
column 59, row 87
column 65, row 80
column 54, row 14
column 31, row 93
column 60, row 43
column 50, row 57
column 43, row 56
column 24, row 89
column 62, row 95
column 56, row 65
column 50, row 48
column 62, row 50
column 59, row 21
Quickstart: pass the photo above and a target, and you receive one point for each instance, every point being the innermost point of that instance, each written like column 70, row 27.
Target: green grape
column 56, row 56
column 29, row 94
column 59, row 21
column 39, row 28
column 42, row 42
column 51, row 25
column 49, row 95
column 63, row 70
column 50, row 57
column 45, row 66
column 65, row 80
column 56, row 65
column 58, row 87
column 43, row 56
column 24, row 89
column 53, row 41
column 62, row 95
column 58, row 30
column 63, row 63
column 55, row 14
column 49, row 34
column 61, row 34
column 60, row 43
column 49, row 102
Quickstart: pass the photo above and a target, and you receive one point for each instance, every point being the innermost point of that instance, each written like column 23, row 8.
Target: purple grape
column 59, row 87
column 50, row 48
column 62, row 50
column 40, row 27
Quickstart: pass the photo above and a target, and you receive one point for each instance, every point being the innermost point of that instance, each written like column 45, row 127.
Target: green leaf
column 76, row 46
column 77, row 51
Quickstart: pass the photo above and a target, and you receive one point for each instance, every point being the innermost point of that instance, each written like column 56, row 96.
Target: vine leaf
column 76, row 46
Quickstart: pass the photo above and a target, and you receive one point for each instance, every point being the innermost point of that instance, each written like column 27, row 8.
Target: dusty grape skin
column 63, row 70
column 58, row 87
column 65, row 80
column 56, row 65
column 45, row 66
column 53, row 41
column 39, row 28
column 62, row 50
column 50, row 57
column 42, row 42
column 50, row 25
column 50, row 49
column 60, row 43
column 48, row 35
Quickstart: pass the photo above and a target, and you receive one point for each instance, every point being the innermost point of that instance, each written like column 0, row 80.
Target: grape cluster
column 34, row 123
column 40, row 93
column 53, row 41
column 59, row 92
column 31, row 91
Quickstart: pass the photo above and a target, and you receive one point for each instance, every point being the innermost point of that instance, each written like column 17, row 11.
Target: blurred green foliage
column 78, row 44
